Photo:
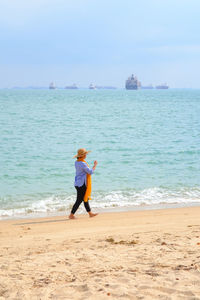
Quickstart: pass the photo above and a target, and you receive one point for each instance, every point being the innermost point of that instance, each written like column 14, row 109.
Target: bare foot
column 71, row 216
column 92, row 215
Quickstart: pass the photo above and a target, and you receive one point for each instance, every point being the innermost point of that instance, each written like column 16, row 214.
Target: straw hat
column 81, row 152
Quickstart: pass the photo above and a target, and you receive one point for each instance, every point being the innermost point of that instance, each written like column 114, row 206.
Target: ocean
column 146, row 142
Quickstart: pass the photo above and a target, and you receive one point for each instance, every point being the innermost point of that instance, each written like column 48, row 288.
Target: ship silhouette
column 92, row 86
column 71, row 87
column 132, row 83
column 52, row 86
column 163, row 86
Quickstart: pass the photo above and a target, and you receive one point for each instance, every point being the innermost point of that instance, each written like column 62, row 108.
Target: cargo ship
column 147, row 87
column 71, row 87
column 99, row 87
column 132, row 83
column 52, row 86
column 163, row 86
column 92, row 86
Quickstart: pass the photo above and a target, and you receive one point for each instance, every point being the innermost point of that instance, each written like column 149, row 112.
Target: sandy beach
column 129, row 255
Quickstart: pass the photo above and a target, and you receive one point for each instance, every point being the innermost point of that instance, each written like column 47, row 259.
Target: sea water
column 146, row 142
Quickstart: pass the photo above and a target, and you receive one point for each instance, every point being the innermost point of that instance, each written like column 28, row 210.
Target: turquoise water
column 147, row 143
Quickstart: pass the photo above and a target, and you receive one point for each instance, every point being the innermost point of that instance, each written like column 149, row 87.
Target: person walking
column 83, row 182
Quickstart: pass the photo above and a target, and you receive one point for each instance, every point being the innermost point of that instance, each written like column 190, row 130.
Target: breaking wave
column 61, row 204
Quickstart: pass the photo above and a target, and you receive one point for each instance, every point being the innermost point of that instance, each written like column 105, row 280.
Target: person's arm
column 87, row 169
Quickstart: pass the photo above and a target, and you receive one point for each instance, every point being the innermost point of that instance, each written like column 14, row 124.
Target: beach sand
column 129, row 255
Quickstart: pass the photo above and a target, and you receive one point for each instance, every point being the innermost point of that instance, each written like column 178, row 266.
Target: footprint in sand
column 152, row 273
column 165, row 290
column 82, row 288
column 4, row 267
column 122, row 242
column 3, row 292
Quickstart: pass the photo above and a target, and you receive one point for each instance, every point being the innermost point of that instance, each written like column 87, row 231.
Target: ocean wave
column 102, row 200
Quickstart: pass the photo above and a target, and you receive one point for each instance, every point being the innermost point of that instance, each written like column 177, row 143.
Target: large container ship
column 132, row 83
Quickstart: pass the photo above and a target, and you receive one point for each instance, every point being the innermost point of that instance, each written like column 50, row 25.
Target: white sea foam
column 102, row 200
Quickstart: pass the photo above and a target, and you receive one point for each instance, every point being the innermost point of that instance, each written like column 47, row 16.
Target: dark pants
column 80, row 197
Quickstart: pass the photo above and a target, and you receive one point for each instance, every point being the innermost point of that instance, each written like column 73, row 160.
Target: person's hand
column 95, row 164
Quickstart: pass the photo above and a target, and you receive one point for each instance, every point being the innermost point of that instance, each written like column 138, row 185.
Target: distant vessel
column 163, row 86
column 106, row 87
column 52, row 86
column 92, row 87
column 132, row 83
column 147, row 87
column 72, row 87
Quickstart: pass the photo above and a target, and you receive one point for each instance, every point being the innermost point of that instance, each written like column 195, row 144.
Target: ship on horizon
column 163, row 86
column 71, row 87
column 92, row 86
column 107, row 87
column 52, row 86
column 147, row 87
column 132, row 83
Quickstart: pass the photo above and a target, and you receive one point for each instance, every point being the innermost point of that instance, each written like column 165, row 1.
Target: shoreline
column 117, row 209
column 152, row 254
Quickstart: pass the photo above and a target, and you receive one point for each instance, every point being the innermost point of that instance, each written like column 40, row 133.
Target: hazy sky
column 99, row 41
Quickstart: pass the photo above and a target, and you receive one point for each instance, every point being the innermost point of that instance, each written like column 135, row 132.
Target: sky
column 100, row 42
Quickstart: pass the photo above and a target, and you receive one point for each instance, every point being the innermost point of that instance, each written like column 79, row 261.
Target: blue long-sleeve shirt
column 81, row 173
